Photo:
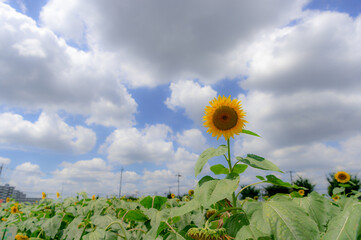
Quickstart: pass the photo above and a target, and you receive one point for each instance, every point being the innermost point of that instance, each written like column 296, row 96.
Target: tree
column 274, row 189
column 304, row 182
column 250, row 192
column 355, row 185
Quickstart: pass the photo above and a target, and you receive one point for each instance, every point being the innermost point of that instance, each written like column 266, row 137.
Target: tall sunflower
column 224, row 117
column 342, row 177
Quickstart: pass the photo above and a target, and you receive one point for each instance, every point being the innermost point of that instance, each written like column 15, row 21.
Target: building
column 8, row 191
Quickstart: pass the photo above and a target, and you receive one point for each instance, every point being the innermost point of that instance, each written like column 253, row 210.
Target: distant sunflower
column 336, row 197
column 224, row 117
column 172, row 195
column 301, row 192
column 14, row 209
column 43, row 195
column 21, row 237
column 57, row 195
column 7, row 199
column 191, row 192
column 342, row 177
column 255, row 198
column 93, row 197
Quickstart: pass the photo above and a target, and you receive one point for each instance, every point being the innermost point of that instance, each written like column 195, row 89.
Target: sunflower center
column 342, row 176
column 225, row 118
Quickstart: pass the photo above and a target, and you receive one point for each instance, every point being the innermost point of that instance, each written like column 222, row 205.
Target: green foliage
column 274, row 189
column 206, row 155
column 154, row 217
column 304, row 182
column 249, row 192
column 333, row 183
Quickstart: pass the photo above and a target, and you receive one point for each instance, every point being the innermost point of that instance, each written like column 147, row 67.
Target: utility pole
column 1, row 169
column 291, row 175
column 120, row 184
column 178, row 175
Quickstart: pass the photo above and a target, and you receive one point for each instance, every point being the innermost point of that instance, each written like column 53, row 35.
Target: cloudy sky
column 90, row 87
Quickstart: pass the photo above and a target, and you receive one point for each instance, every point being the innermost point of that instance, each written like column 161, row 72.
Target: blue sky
column 88, row 88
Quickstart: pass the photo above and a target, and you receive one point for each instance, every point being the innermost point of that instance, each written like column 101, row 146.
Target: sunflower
column 336, row 197
column 7, row 199
column 43, row 195
column 224, row 117
column 93, row 197
column 57, row 194
column 19, row 236
column 255, row 198
column 301, row 192
column 14, row 209
column 172, row 195
column 191, row 192
column 342, row 177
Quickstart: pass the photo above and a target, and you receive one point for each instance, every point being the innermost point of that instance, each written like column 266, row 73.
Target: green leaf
column 276, row 181
column 219, row 169
column 72, row 231
column 100, row 234
column 153, row 202
column 156, row 217
column 239, row 168
column 288, row 221
column 235, row 223
column 204, row 179
column 259, row 226
column 344, row 185
column 189, row 206
column 52, row 225
column 316, row 207
column 215, row 190
column 135, row 215
column 346, row 225
column 259, row 162
column 83, row 194
column 104, row 221
column 250, row 133
column 337, row 190
column 260, row 178
column 206, row 155
column 232, row 176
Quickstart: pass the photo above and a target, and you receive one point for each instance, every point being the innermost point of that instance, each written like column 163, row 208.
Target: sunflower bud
column 207, row 234
column 210, row 213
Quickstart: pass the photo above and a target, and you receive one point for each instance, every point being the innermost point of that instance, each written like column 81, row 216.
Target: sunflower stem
column 234, row 198
column 229, row 156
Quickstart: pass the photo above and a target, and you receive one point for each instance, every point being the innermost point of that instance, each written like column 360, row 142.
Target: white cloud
column 321, row 53
column 192, row 97
column 95, row 176
column 128, row 146
column 92, row 176
column 183, row 162
column 192, row 139
column 159, row 42
column 4, row 160
column 161, row 181
column 40, row 71
column 303, row 96
column 49, row 132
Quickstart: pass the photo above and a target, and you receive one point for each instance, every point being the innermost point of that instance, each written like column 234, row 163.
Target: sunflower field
column 211, row 211
column 208, row 215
